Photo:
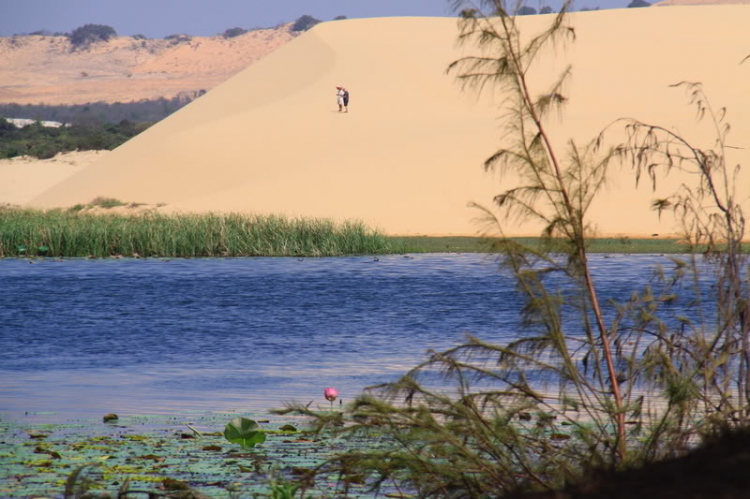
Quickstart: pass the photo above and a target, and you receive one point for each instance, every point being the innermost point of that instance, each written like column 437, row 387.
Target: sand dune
column 408, row 156
column 24, row 178
column 45, row 69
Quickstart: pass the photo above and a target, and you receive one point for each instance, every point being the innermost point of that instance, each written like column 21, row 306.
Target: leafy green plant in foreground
column 245, row 432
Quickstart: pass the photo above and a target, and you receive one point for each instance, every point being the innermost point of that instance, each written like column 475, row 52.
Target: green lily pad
column 245, row 432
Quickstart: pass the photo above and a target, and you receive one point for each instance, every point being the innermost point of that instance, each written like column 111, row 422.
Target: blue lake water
column 85, row 337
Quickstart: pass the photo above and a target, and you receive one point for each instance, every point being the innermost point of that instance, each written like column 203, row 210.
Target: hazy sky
column 159, row 18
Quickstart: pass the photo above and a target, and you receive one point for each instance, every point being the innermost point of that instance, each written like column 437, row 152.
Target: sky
column 159, row 18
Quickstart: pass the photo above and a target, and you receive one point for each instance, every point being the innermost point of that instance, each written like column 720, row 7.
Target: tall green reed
column 79, row 234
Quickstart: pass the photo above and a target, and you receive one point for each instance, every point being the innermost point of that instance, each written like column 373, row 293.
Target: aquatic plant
column 79, row 234
column 245, row 432
column 284, row 489
column 330, row 394
column 587, row 385
column 144, row 455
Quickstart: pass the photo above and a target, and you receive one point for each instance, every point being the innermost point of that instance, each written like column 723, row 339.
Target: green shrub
column 233, row 32
column 91, row 33
column 107, row 203
column 304, row 23
column 178, row 38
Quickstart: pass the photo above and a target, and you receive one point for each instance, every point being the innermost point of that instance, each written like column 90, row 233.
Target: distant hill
column 46, row 69
column 408, row 156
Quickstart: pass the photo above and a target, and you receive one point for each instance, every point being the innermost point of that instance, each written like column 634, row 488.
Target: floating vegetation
column 245, row 432
column 158, row 453
column 65, row 233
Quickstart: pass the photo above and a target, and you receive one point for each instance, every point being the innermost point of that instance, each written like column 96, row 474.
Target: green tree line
column 143, row 110
column 45, row 142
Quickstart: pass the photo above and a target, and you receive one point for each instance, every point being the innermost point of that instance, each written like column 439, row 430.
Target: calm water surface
column 85, row 337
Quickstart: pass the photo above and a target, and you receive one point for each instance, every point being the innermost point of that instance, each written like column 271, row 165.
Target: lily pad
column 245, row 432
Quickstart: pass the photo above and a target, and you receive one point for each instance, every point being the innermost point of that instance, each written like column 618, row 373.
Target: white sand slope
column 24, row 178
column 408, row 156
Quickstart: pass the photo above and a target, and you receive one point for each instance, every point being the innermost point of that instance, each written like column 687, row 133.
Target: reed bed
column 64, row 233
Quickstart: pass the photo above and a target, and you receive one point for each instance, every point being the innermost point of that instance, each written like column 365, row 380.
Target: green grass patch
column 424, row 244
column 104, row 203
column 66, row 233
column 78, row 233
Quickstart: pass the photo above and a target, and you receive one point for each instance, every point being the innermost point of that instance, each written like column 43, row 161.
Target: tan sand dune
column 24, row 178
column 408, row 157
column 44, row 69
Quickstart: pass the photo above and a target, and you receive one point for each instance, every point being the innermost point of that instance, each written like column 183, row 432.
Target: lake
column 80, row 338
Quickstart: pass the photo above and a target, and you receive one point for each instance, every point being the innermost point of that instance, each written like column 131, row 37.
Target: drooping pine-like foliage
column 586, row 384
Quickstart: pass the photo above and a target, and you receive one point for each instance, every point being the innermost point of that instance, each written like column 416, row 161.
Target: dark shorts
column 346, row 100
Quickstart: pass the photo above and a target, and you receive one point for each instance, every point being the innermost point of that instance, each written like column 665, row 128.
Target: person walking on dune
column 342, row 97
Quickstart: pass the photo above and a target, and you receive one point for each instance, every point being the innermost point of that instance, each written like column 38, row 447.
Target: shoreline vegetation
column 76, row 232
column 602, row 245
column 71, row 233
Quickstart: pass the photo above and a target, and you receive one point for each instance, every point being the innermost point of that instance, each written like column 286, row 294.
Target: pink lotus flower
column 330, row 394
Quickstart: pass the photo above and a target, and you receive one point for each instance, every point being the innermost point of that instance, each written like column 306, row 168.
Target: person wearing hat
column 342, row 97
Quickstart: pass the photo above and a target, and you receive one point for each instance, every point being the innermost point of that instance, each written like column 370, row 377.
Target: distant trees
column 178, row 38
column 638, row 3
column 91, row 33
column 144, row 110
column 6, row 126
column 304, row 23
column 339, row 18
column 232, row 32
column 45, row 142
column 525, row 10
